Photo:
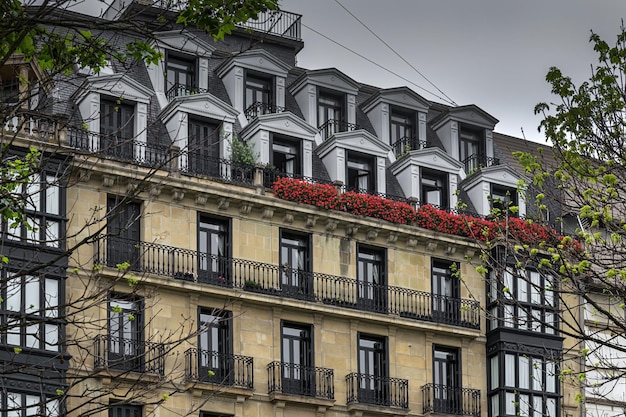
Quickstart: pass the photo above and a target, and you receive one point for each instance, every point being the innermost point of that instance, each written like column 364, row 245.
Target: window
column 258, row 95
column 434, row 188
column 523, row 384
column 213, row 252
column 31, row 311
column 523, row 299
column 295, row 265
column 330, row 114
column 23, row 405
column 502, row 199
column 371, row 279
column 470, row 149
column 10, row 91
column 403, row 133
column 373, row 384
column 203, row 148
column 445, row 292
column 286, row 156
column 180, row 76
column 447, row 380
column 44, row 197
column 125, row 410
column 215, row 360
column 125, row 344
column 360, row 171
column 298, row 373
column 123, row 227
column 117, row 129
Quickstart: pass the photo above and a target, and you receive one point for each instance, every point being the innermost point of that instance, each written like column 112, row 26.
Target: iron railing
column 276, row 22
column 198, row 163
column 219, row 368
column 129, row 355
column 443, row 399
column 112, row 146
column 258, row 108
column 377, row 390
column 281, row 281
column 404, row 145
column 333, row 126
column 476, row 161
column 182, row 90
column 290, row 378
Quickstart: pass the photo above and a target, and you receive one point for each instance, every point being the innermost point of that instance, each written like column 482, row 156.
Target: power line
column 394, row 51
column 379, row 66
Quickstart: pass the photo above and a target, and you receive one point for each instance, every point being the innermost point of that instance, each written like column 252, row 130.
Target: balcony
column 274, row 280
column 276, row 22
column 377, row 390
column 474, row 162
column 406, row 144
column 114, row 147
column 183, row 90
column 128, row 355
column 328, row 129
column 443, row 399
column 258, row 108
column 309, row 381
column 218, row 368
column 198, row 163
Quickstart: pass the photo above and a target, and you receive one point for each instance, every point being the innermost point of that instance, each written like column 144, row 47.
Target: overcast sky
column 492, row 53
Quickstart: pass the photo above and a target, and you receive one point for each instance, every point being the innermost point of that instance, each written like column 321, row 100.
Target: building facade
column 190, row 288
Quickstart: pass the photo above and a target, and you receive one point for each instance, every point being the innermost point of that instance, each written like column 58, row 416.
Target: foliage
column 242, row 153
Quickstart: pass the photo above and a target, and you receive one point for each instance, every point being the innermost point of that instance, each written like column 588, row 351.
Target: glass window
column 117, row 128
column 445, row 291
column 215, row 360
column 360, row 172
column 297, row 359
column 434, row 188
column 258, row 94
column 296, row 280
column 371, row 279
column 403, row 132
column 180, row 76
column 286, row 155
column 502, row 198
column 213, row 252
column 125, row 338
column 372, row 362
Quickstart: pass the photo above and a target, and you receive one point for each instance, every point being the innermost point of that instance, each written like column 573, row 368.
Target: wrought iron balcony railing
column 443, row 399
column 115, row 147
column 276, row 22
column 377, row 390
column 219, row 368
column 271, row 174
column 476, row 161
column 406, row 144
column 286, row 282
column 258, row 108
column 129, row 355
column 332, row 126
column 182, row 90
column 289, row 378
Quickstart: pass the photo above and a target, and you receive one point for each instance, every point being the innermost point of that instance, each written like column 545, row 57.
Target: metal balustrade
column 258, row 108
column 290, row 378
column 476, row 161
column 199, row 163
column 377, row 390
column 129, row 355
column 281, row 281
column 403, row 145
column 183, row 90
column 219, row 368
column 276, row 22
column 332, row 126
column 443, row 399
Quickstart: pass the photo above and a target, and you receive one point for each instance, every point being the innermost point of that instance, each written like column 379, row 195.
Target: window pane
column 522, row 289
column 508, row 315
column 51, row 337
column 494, row 372
column 550, row 377
column 52, row 408
column 32, row 193
column 508, row 284
column 524, row 405
column 51, row 297
column 31, row 295
column 52, row 196
column 524, row 372
column 14, row 293
column 549, row 322
column 537, row 374
column 535, row 296
column 32, row 405
column 14, row 404
column 13, row 333
column 537, row 406
column 551, row 407
column 509, row 370
column 510, row 404
column 495, row 405
column 52, row 234
column 32, row 336
column 32, row 231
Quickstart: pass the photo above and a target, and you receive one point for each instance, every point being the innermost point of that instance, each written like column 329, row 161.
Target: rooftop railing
column 287, row 282
column 276, row 22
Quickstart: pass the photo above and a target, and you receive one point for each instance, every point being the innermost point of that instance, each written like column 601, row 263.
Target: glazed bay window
column 360, row 172
column 44, row 198
column 31, row 311
column 213, row 251
column 434, row 188
column 523, row 384
column 523, row 300
column 179, row 76
column 215, row 360
column 295, row 265
column 18, row 404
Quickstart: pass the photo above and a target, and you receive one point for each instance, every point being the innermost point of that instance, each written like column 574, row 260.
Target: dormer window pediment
column 491, row 184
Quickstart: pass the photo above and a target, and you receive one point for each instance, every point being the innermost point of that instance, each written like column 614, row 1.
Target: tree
column 583, row 177
column 45, row 47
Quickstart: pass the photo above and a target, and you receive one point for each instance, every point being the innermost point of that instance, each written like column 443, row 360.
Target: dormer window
column 434, row 188
column 203, row 147
column 502, row 198
column 117, row 128
column 403, row 136
column 330, row 114
column 258, row 98
column 286, row 155
column 9, row 91
column 180, row 76
column 471, row 151
column 360, row 173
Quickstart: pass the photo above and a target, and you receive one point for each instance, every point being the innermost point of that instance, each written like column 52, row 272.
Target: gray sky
column 492, row 53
